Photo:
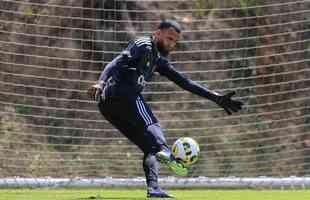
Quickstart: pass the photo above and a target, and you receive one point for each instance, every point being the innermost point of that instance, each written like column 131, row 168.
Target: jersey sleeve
column 108, row 69
column 166, row 69
column 136, row 51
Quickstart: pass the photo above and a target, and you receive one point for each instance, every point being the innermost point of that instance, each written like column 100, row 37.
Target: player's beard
column 162, row 50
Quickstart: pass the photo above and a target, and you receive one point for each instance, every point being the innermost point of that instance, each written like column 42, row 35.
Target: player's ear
column 157, row 34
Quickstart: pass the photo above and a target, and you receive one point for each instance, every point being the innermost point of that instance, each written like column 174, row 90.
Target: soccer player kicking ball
column 118, row 92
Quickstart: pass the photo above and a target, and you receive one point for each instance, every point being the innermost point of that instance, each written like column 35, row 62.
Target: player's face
column 166, row 40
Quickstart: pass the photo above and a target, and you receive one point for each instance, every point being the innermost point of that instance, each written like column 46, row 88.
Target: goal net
column 51, row 51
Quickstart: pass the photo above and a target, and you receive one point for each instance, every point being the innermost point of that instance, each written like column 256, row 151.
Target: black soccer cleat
column 157, row 193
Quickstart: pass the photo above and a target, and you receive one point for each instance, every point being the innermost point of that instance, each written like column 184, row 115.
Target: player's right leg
column 164, row 155
column 156, row 138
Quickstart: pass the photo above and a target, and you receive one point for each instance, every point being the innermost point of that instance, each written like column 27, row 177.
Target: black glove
column 229, row 104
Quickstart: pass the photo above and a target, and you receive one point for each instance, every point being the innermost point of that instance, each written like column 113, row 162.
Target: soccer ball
column 186, row 150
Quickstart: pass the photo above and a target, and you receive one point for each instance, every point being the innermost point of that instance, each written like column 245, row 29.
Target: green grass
column 139, row 194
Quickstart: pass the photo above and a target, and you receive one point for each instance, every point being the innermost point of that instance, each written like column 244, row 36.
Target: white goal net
column 52, row 50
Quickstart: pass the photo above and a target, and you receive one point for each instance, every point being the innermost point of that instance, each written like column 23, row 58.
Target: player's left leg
column 155, row 141
column 125, row 115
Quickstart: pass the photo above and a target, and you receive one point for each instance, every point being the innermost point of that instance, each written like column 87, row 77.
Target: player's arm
column 95, row 90
column 130, row 55
column 224, row 101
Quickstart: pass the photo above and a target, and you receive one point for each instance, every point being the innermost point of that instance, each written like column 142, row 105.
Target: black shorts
column 131, row 116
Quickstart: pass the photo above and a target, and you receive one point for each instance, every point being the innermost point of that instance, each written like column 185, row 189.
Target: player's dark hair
column 168, row 23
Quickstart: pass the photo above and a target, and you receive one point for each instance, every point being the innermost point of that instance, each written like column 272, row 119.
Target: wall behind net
column 51, row 51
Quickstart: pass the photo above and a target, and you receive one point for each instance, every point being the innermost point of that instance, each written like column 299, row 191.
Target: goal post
column 51, row 133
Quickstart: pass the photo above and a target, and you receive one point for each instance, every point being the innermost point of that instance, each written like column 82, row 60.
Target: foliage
column 203, row 7
column 246, row 6
column 247, row 3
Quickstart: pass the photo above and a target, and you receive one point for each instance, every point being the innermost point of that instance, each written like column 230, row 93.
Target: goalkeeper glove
column 95, row 91
column 228, row 104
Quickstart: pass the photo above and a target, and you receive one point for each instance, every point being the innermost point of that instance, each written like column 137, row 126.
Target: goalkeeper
column 118, row 92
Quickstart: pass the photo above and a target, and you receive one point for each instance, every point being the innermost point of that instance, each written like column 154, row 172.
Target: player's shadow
column 110, row 198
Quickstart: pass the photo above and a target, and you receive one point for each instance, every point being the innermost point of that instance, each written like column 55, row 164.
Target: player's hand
column 95, row 91
column 229, row 104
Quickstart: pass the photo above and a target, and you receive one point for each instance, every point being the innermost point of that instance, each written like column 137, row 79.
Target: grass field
column 139, row 194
